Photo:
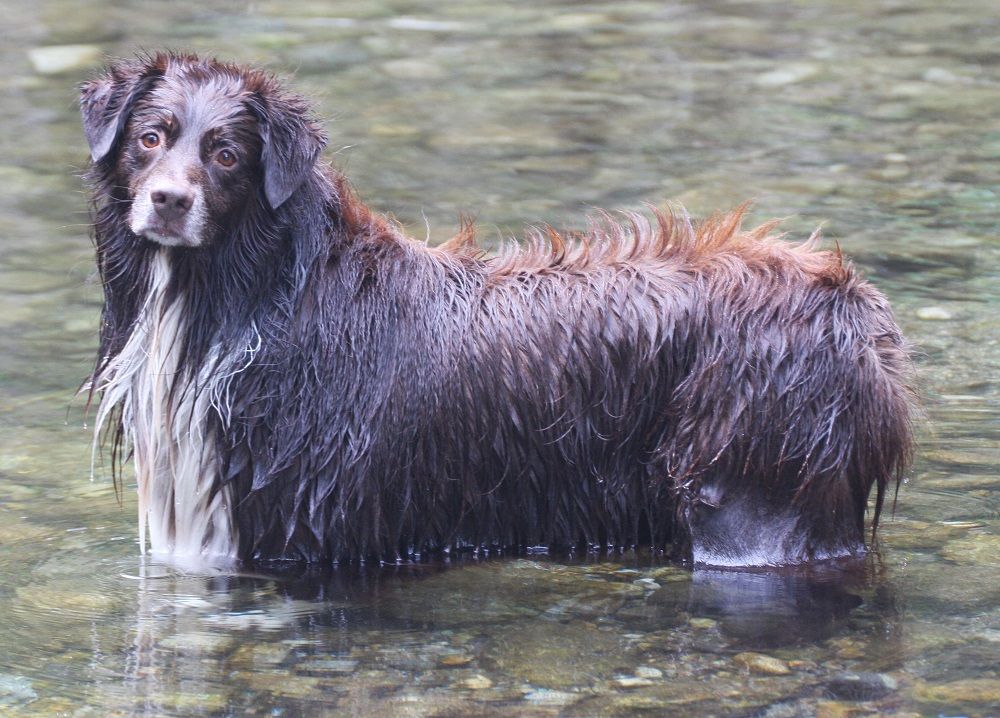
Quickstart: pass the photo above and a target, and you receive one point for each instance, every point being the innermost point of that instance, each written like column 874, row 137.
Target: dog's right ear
column 107, row 102
column 292, row 142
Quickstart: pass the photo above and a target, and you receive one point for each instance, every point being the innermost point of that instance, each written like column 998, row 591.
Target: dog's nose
column 172, row 202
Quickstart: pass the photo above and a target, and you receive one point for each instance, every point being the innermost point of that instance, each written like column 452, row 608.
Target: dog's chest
column 165, row 416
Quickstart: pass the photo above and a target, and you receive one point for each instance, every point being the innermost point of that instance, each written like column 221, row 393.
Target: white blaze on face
column 185, row 231
column 165, row 418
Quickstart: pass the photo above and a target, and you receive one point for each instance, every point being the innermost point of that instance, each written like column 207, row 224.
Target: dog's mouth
column 166, row 234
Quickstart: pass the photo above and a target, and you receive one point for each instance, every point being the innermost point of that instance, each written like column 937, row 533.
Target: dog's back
column 638, row 386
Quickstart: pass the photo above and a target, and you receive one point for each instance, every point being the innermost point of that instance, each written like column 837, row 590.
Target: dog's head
column 191, row 143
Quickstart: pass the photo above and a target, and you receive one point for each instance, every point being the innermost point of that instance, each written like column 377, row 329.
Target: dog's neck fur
column 165, row 413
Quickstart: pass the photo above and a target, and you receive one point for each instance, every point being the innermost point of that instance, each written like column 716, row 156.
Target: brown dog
column 297, row 379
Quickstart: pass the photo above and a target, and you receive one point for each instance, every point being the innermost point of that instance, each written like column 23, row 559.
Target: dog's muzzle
column 169, row 212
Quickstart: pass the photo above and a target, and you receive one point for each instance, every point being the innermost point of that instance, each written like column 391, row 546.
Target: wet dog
column 297, row 379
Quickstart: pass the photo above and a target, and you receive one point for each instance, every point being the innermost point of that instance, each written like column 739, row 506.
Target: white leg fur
column 175, row 463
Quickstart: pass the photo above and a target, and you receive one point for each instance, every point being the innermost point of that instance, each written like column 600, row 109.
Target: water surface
column 875, row 119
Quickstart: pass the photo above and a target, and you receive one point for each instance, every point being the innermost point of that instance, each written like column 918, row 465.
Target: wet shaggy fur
column 334, row 390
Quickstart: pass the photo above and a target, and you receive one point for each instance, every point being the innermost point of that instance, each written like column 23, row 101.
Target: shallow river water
column 878, row 120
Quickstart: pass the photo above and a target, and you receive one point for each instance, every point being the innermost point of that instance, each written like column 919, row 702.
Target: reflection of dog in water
column 775, row 609
column 297, row 379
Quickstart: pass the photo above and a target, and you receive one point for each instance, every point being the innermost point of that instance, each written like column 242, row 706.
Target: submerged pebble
column 264, row 654
column 15, row 689
column 791, row 709
column 551, row 654
column 973, row 550
column 280, row 683
column 761, row 663
column 577, row 20
column 632, row 681
column 550, row 697
column 57, row 59
column 962, row 692
column 849, row 647
column 184, row 703
column 903, row 534
column 646, row 583
column 476, row 682
column 933, row 314
column 702, row 623
column 64, row 598
column 199, row 642
column 860, row 686
column 413, row 70
column 832, row 709
column 670, row 574
column 328, row 665
column 788, row 74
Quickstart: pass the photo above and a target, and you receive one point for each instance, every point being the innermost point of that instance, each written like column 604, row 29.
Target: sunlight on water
column 876, row 120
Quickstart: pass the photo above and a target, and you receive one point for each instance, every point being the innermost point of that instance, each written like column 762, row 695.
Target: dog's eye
column 226, row 158
column 150, row 140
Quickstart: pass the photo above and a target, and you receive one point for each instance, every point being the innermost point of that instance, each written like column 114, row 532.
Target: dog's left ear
column 107, row 102
column 292, row 143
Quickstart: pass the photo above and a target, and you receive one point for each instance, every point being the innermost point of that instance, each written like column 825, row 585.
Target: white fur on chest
column 165, row 425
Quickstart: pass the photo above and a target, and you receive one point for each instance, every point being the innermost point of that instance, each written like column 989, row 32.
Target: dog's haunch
column 295, row 378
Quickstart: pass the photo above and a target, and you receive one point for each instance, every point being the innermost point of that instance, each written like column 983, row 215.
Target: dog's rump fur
column 357, row 394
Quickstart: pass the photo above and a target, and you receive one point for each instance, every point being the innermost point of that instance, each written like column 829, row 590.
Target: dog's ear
column 292, row 142
column 107, row 102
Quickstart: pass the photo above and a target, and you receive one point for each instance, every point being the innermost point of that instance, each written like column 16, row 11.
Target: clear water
column 876, row 119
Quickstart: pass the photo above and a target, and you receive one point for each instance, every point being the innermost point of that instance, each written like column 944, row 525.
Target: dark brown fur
column 706, row 388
